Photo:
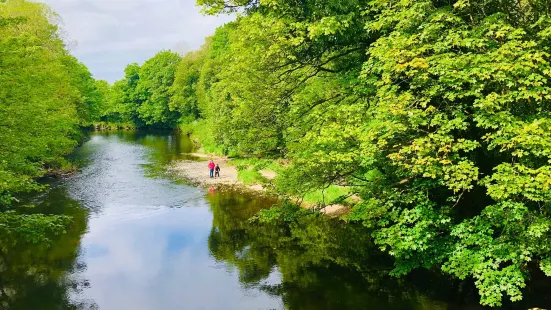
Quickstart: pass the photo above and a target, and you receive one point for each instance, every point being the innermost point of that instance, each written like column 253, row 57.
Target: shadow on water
column 139, row 240
column 35, row 277
column 325, row 264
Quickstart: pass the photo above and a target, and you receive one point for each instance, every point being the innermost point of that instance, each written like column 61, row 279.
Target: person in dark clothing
column 217, row 171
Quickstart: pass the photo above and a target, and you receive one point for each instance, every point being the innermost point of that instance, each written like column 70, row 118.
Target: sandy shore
column 197, row 173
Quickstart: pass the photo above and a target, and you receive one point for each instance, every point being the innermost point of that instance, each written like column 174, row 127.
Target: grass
column 326, row 196
column 199, row 130
column 250, row 177
column 256, row 164
column 248, row 169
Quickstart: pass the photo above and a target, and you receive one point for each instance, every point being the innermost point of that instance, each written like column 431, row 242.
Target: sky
column 107, row 35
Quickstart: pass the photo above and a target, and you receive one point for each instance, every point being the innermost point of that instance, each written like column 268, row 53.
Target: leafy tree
column 156, row 77
column 142, row 97
column 457, row 94
column 126, row 96
column 240, row 110
column 45, row 98
column 183, row 92
column 40, row 100
column 436, row 112
column 105, row 108
column 88, row 98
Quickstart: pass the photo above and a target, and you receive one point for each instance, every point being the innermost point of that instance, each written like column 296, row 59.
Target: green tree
column 126, row 96
column 105, row 109
column 40, row 102
column 45, row 98
column 436, row 112
column 156, row 76
column 183, row 92
column 88, row 98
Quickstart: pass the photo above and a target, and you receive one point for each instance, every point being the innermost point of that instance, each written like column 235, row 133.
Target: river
column 141, row 240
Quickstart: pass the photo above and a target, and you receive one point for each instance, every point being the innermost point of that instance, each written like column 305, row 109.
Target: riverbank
column 196, row 172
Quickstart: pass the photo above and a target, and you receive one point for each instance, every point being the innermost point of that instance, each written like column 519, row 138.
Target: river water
column 141, row 240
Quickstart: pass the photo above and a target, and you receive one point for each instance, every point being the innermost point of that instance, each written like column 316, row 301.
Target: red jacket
column 211, row 166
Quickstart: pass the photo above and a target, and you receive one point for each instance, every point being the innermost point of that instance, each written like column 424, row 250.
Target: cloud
column 113, row 33
column 164, row 262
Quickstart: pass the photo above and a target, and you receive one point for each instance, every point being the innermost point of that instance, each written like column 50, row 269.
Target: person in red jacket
column 211, row 168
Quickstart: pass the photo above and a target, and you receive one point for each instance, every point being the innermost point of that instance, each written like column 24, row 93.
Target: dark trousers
column 217, row 174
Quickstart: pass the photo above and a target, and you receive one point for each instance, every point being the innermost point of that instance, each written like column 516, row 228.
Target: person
column 217, row 171
column 211, row 168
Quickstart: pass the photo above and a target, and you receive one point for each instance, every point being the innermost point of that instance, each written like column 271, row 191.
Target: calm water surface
column 143, row 241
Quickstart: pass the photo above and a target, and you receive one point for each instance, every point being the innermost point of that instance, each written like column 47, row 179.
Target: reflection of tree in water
column 36, row 275
column 163, row 147
column 231, row 239
column 323, row 263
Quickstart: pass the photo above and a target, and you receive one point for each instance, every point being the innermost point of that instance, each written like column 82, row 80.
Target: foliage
column 201, row 133
column 156, row 76
column 184, row 98
column 435, row 113
column 284, row 212
column 326, row 196
column 46, row 97
column 255, row 163
column 319, row 262
column 141, row 99
column 250, row 177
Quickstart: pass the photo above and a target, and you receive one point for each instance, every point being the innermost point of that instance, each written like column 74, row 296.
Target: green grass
column 248, row 169
column 255, row 164
column 199, row 130
column 326, row 196
column 250, row 177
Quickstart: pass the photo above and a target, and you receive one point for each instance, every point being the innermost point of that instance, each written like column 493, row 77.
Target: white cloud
column 113, row 33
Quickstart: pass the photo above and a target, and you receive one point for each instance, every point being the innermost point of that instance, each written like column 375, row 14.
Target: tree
column 40, row 101
column 46, row 95
column 88, row 98
column 435, row 112
column 183, row 92
column 156, row 76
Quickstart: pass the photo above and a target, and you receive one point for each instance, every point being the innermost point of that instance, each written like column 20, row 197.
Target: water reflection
column 35, row 276
column 324, row 264
column 141, row 241
column 321, row 263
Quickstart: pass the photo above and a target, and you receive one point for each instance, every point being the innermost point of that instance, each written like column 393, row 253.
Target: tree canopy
column 435, row 113
column 46, row 98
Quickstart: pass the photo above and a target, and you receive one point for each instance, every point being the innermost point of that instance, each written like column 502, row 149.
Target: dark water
column 142, row 241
